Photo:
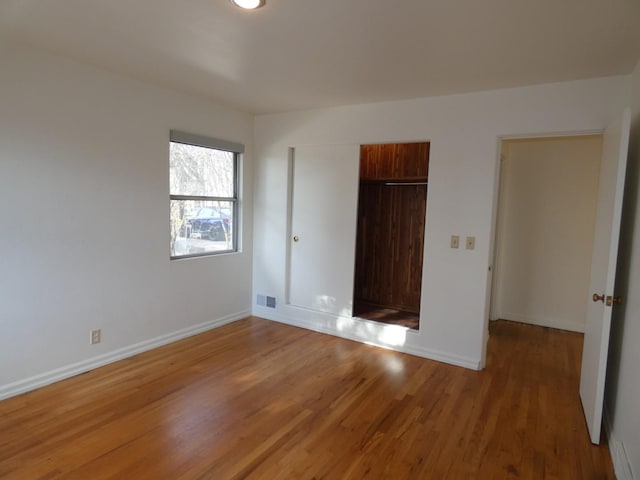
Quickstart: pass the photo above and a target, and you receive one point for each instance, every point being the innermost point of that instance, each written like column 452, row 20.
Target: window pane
column 200, row 171
column 199, row 227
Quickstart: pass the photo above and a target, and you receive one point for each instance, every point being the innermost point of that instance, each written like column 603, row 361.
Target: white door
column 603, row 272
column 323, row 227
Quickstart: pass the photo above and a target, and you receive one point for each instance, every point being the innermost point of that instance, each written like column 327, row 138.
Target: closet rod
column 400, row 184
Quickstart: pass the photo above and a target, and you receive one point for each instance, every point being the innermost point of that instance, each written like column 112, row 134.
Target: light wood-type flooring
column 261, row 400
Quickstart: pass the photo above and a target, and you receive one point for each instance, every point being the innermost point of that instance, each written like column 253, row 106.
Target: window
column 203, row 188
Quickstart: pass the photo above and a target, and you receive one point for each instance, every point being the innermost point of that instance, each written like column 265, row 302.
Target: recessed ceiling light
column 249, row 4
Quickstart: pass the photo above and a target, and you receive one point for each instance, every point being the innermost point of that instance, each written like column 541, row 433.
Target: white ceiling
column 295, row 54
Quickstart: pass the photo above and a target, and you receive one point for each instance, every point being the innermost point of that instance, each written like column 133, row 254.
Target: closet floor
column 387, row 315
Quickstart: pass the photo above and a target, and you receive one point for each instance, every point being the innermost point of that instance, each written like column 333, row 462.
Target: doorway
column 392, row 204
column 600, row 296
column 545, row 230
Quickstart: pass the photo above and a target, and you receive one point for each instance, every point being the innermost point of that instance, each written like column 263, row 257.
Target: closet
column 390, row 232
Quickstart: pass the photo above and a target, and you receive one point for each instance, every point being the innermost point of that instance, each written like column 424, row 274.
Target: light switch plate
column 471, row 243
column 455, row 241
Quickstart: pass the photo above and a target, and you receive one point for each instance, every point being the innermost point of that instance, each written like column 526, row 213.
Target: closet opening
column 392, row 205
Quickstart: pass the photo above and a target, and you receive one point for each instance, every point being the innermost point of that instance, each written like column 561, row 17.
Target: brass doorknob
column 598, row 298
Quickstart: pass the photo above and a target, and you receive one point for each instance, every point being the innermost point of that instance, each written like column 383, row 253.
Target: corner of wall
column 619, row 456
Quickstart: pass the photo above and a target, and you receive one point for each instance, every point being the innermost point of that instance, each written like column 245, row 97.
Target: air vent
column 271, row 302
column 266, row 301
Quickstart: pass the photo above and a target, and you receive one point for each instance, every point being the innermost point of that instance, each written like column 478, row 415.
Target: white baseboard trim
column 619, row 457
column 46, row 378
column 320, row 327
column 444, row 357
column 561, row 324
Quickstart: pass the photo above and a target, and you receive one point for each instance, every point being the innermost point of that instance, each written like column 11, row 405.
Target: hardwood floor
column 261, row 400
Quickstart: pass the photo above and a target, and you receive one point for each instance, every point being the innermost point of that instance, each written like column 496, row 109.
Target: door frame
column 491, row 295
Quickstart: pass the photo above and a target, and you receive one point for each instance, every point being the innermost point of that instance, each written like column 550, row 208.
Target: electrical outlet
column 94, row 337
column 471, row 243
column 455, row 241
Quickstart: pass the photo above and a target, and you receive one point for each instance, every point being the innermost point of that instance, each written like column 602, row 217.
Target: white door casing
column 603, row 271
column 323, row 227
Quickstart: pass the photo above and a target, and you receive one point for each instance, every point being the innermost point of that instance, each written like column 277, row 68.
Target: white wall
column 548, row 197
column 464, row 132
column 84, row 212
column 622, row 392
